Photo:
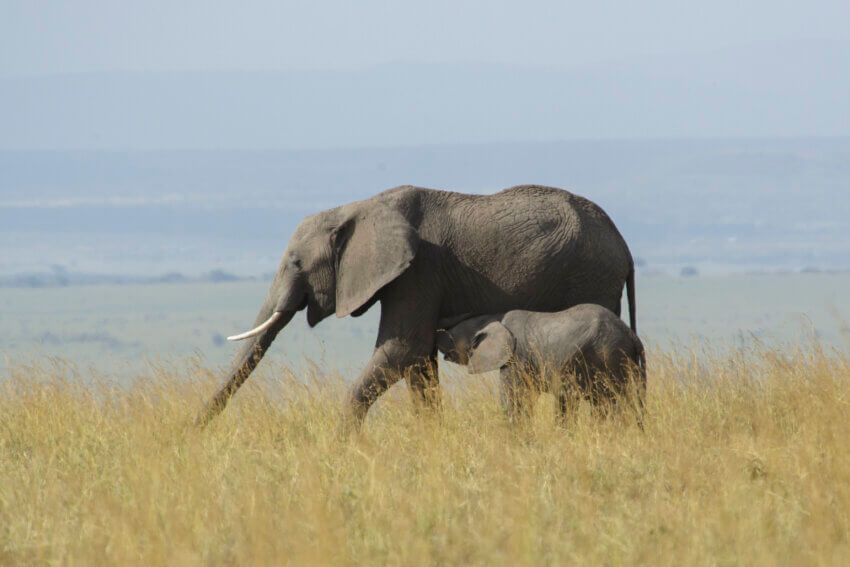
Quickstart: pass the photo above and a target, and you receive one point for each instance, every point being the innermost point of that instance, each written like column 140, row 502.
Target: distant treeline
column 59, row 277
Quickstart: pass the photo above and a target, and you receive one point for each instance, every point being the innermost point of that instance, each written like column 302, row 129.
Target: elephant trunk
column 286, row 297
column 271, row 323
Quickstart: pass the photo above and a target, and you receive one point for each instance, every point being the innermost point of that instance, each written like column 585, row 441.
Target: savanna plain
column 742, row 460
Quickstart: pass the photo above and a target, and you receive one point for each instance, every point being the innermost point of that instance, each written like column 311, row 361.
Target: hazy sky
column 77, row 35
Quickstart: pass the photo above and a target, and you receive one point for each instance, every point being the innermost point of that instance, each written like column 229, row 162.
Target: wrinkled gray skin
column 427, row 254
column 587, row 342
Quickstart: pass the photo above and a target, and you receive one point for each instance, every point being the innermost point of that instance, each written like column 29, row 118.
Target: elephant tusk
column 257, row 330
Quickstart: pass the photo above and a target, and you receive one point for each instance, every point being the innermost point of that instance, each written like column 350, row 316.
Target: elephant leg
column 604, row 391
column 633, row 388
column 576, row 385
column 515, row 391
column 389, row 363
column 635, row 396
column 405, row 349
column 424, row 382
column 569, row 394
column 507, row 394
column 382, row 371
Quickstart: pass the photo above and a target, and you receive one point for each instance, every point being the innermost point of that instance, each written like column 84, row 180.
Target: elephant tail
column 630, row 294
column 641, row 393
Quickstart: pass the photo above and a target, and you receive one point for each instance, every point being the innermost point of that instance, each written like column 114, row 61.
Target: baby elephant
column 587, row 342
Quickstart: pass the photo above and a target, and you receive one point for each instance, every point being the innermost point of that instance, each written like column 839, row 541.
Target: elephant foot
column 361, row 395
column 348, row 425
column 427, row 396
column 424, row 384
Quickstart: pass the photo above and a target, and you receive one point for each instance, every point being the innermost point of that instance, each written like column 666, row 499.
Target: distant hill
column 716, row 204
column 782, row 89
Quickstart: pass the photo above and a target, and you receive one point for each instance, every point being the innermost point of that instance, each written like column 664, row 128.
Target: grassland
column 743, row 461
column 117, row 327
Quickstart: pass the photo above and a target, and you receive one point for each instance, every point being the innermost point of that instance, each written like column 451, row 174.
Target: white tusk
column 257, row 330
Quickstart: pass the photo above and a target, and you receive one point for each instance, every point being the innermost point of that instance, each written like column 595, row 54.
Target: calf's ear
column 492, row 347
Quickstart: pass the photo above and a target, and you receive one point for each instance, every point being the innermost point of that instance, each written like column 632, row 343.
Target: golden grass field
column 745, row 460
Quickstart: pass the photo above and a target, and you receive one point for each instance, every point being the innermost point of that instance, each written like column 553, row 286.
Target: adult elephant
column 428, row 255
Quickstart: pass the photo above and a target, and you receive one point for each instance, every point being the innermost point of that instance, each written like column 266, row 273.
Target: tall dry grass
column 745, row 459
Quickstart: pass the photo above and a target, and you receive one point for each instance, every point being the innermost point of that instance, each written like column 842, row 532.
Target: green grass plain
column 119, row 328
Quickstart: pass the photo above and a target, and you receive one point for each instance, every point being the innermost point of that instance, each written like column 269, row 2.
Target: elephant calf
column 587, row 342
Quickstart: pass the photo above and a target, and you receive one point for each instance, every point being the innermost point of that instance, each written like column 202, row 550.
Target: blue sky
column 187, row 74
column 154, row 35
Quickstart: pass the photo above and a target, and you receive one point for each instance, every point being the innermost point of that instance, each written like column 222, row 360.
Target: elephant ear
column 492, row 347
column 373, row 246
